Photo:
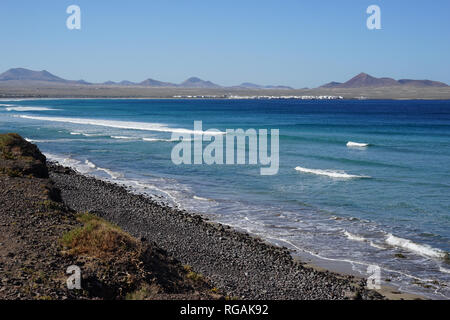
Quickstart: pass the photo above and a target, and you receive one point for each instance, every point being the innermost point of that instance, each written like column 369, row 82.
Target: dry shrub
column 98, row 238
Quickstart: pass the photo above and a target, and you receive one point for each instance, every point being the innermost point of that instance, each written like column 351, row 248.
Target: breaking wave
column 354, row 237
column 352, row 144
column 22, row 109
column 144, row 126
column 330, row 173
column 85, row 167
column 423, row 250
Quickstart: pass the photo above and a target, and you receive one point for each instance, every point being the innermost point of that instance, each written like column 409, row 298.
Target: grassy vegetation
column 51, row 205
column 97, row 238
column 9, row 142
column 6, row 141
column 191, row 274
column 10, row 172
column 144, row 293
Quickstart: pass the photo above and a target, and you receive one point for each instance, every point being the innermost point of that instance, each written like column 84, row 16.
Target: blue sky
column 297, row 43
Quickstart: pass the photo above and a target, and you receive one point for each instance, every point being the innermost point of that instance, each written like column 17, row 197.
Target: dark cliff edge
column 40, row 237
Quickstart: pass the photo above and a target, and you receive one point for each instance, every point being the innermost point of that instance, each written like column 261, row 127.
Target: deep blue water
column 396, row 199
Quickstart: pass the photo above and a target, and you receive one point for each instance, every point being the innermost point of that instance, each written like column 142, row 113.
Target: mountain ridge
column 364, row 80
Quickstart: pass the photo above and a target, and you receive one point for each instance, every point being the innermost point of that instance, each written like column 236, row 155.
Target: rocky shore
column 129, row 246
column 40, row 237
column 239, row 265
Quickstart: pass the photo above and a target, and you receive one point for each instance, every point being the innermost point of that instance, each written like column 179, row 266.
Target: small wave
column 23, row 109
column 354, row 237
column 201, row 199
column 86, row 134
column 330, row 173
column 376, row 245
column 83, row 167
column 112, row 174
column 70, row 162
column 122, row 137
column 49, row 140
column 144, row 126
column 444, row 270
column 90, row 164
column 167, row 140
column 423, row 250
column 159, row 140
column 352, row 144
column 37, row 141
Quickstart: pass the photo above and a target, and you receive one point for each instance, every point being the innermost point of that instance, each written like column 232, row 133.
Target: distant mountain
column 332, row 84
column 25, row 74
column 195, row 82
column 156, row 83
column 422, row 83
column 249, row 85
column 363, row 80
column 81, row 82
column 21, row 74
column 121, row 83
column 126, row 83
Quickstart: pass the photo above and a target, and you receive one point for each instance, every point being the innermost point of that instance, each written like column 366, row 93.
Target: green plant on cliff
column 97, row 238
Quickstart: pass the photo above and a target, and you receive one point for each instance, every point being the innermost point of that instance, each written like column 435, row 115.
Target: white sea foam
column 82, row 167
column 201, row 199
column 123, row 137
column 158, row 140
column 444, row 270
column 376, row 245
column 86, row 134
column 48, row 140
column 70, row 162
column 36, row 140
column 354, row 237
column 352, row 144
column 144, row 126
column 330, row 173
column 423, row 250
column 22, row 109
column 112, row 174
column 90, row 164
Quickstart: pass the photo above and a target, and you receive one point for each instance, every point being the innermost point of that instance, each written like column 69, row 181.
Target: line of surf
column 144, row 126
column 24, row 109
column 352, row 144
column 420, row 249
column 330, row 173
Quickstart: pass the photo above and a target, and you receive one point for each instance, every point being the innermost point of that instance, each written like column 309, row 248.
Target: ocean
column 383, row 203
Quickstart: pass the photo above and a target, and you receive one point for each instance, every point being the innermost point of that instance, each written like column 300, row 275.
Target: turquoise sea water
column 393, row 198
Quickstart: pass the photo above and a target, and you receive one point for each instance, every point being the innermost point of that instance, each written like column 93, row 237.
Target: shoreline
column 27, row 98
column 245, row 263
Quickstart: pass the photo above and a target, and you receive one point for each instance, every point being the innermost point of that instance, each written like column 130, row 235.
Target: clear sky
column 297, row 43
